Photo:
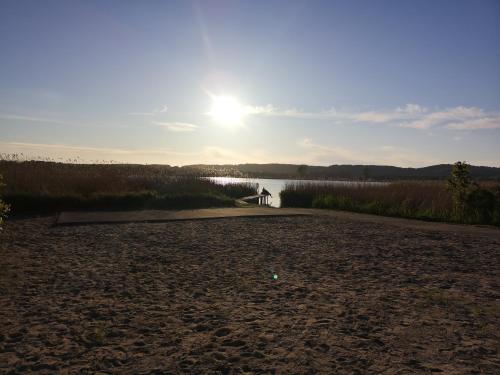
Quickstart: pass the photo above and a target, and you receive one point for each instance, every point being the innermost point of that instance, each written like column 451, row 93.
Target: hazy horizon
column 405, row 83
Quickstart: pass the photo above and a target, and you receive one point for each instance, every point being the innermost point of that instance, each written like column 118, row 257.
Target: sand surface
column 151, row 216
column 199, row 297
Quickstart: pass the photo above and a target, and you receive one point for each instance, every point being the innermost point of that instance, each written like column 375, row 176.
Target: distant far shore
column 340, row 172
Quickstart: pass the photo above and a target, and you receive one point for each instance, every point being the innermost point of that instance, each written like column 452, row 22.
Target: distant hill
column 343, row 172
column 294, row 171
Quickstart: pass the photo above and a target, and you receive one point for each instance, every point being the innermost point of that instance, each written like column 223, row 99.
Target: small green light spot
column 275, row 277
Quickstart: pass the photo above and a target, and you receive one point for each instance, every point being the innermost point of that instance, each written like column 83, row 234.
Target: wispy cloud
column 480, row 123
column 46, row 120
column 383, row 155
column 62, row 147
column 259, row 110
column 329, row 154
column 409, row 116
column 308, row 152
column 461, row 115
column 141, row 113
column 154, row 112
column 177, row 126
column 380, row 116
column 89, row 154
column 206, row 155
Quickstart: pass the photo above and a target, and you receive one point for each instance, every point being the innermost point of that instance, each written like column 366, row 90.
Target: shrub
column 460, row 184
column 471, row 202
column 482, row 206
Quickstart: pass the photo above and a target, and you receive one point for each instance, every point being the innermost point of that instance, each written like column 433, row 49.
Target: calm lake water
column 274, row 186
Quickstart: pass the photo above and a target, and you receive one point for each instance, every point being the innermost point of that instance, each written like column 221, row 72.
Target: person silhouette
column 267, row 194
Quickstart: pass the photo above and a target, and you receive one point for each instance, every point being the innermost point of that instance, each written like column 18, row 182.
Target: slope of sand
column 152, row 216
column 352, row 296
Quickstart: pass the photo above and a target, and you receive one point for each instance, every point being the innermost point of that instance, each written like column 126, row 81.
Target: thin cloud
column 89, row 154
column 177, row 126
column 438, row 118
column 481, row 123
column 383, row 155
column 331, row 154
column 410, row 116
column 409, row 111
column 381, row 116
column 259, row 110
column 32, row 119
column 141, row 113
column 154, row 112
column 62, row 147
column 312, row 154
column 84, row 154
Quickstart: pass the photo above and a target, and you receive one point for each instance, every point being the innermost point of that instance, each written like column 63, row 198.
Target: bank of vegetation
column 344, row 172
column 40, row 186
column 459, row 199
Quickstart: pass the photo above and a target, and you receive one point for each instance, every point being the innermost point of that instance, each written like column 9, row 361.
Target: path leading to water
column 98, row 217
column 107, row 217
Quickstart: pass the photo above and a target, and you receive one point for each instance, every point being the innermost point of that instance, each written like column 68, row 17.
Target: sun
column 227, row 110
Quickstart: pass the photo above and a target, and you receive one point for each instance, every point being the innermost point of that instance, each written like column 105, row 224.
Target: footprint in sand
column 201, row 328
column 221, row 332
column 234, row 343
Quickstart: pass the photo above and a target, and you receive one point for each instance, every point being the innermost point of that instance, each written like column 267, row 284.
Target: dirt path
column 353, row 296
column 74, row 218
column 151, row 216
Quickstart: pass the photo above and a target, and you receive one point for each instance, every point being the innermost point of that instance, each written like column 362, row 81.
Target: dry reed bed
column 431, row 200
column 49, row 186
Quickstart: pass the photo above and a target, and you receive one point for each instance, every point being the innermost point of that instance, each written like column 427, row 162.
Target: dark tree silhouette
column 302, row 170
column 461, row 184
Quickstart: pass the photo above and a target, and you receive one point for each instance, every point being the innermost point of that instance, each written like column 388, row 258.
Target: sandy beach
column 278, row 295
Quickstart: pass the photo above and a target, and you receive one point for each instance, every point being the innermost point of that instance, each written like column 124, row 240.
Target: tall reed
column 44, row 186
column 430, row 200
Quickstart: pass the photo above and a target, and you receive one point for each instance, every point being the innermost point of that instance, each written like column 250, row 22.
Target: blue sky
column 407, row 83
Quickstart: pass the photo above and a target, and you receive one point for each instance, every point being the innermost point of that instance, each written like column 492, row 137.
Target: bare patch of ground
column 352, row 296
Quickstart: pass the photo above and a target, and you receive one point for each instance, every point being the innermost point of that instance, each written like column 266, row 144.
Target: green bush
column 472, row 203
column 482, row 206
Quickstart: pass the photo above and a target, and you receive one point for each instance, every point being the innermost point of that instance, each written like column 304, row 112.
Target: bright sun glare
column 227, row 110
